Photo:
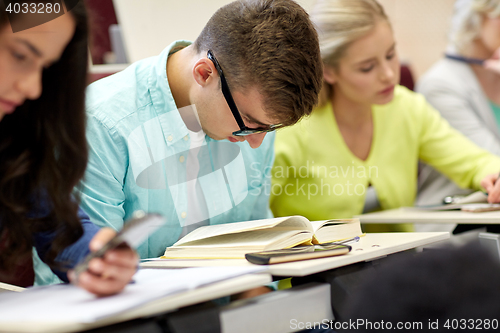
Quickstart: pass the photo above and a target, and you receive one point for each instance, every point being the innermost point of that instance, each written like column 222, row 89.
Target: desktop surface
column 160, row 306
column 370, row 247
column 416, row 215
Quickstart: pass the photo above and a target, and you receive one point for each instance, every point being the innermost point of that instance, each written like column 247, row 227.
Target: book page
column 318, row 224
column 292, row 222
column 68, row 303
column 235, row 246
column 335, row 230
column 254, row 238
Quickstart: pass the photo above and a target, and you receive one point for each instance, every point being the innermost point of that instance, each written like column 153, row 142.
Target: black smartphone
column 135, row 231
column 297, row 253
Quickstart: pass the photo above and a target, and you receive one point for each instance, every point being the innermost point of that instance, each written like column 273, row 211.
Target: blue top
column 71, row 255
column 74, row 253
column 139, row 146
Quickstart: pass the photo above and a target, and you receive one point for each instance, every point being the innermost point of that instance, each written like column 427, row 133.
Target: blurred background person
column 466, row 93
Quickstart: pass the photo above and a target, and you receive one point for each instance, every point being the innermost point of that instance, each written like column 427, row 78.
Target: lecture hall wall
column 420, row 25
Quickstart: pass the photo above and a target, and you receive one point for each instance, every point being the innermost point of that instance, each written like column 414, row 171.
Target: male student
column 187, row 133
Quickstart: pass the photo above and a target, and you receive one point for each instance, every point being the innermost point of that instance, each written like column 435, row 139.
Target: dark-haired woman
column 43, row 152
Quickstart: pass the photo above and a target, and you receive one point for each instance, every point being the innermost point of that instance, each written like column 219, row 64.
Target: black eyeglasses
column 244, row 130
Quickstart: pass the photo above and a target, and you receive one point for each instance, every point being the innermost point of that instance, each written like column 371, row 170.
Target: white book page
column 293, row 222
column 254, row 238
column 318, row 224
column 476, row 197
column 68, row 303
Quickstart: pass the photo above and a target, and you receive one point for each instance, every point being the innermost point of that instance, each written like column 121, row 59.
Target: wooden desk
column 415, row 215
column 164, row 305
column 370, row 247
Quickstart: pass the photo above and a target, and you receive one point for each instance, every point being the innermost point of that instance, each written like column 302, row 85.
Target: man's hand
column 110, row 274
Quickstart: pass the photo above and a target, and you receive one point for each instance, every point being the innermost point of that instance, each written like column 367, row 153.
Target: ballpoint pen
column 342, row 242
column 465, row 59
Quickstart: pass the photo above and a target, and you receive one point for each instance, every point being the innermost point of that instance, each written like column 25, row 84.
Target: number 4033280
column 33, row 8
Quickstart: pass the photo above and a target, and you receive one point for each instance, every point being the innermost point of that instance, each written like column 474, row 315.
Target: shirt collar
column 161, row 95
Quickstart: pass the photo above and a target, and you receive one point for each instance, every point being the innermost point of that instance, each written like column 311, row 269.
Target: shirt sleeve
column 101, row 190
column 74, row 253
column 450, row 152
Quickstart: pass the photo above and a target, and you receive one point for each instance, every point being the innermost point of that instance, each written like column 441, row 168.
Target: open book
column 234, row 240
column 474, row 202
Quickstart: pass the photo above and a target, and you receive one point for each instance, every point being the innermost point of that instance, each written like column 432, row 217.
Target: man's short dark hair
column 270, row 45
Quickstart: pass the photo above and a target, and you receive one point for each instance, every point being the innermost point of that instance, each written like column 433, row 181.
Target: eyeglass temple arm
column 232, row 105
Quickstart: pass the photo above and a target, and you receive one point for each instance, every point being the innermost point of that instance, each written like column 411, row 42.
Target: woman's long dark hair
column 43, row 154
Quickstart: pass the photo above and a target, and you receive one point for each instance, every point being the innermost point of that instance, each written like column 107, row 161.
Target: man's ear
column 329, row 74
column 204, row 71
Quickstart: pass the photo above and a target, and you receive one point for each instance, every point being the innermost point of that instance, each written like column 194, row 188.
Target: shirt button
column 181, row 159
column 170, row 138
column 183, row 215
column 186, row 138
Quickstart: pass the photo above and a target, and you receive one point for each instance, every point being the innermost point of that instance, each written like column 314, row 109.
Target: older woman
column 465, row 91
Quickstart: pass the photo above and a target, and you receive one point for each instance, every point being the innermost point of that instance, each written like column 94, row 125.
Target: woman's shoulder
column 445, row 72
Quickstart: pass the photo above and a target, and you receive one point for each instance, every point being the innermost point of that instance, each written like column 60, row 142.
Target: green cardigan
column 317, row 176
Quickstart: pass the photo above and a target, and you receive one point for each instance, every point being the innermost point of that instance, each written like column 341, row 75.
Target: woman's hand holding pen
column 491, row 184
column 493, row 63
column 110, row 274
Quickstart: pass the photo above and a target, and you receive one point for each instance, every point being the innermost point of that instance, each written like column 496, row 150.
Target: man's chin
column 219, row 138
column 213, row 136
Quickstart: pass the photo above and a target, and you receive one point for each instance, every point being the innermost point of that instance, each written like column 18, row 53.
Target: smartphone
column 135, row 231
column 297, row 253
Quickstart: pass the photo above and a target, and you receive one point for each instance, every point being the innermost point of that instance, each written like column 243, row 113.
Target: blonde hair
column 339, row 24
column 470, row 27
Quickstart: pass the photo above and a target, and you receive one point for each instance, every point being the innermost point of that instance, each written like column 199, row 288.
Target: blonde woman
column 360, row 148
column 463, row 90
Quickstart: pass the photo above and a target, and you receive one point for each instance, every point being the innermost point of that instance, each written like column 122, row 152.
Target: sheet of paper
column 478, row 208
column 67, row 303
column 476, row 197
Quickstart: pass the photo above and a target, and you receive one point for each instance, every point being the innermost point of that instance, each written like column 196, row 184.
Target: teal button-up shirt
column 138, row 144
